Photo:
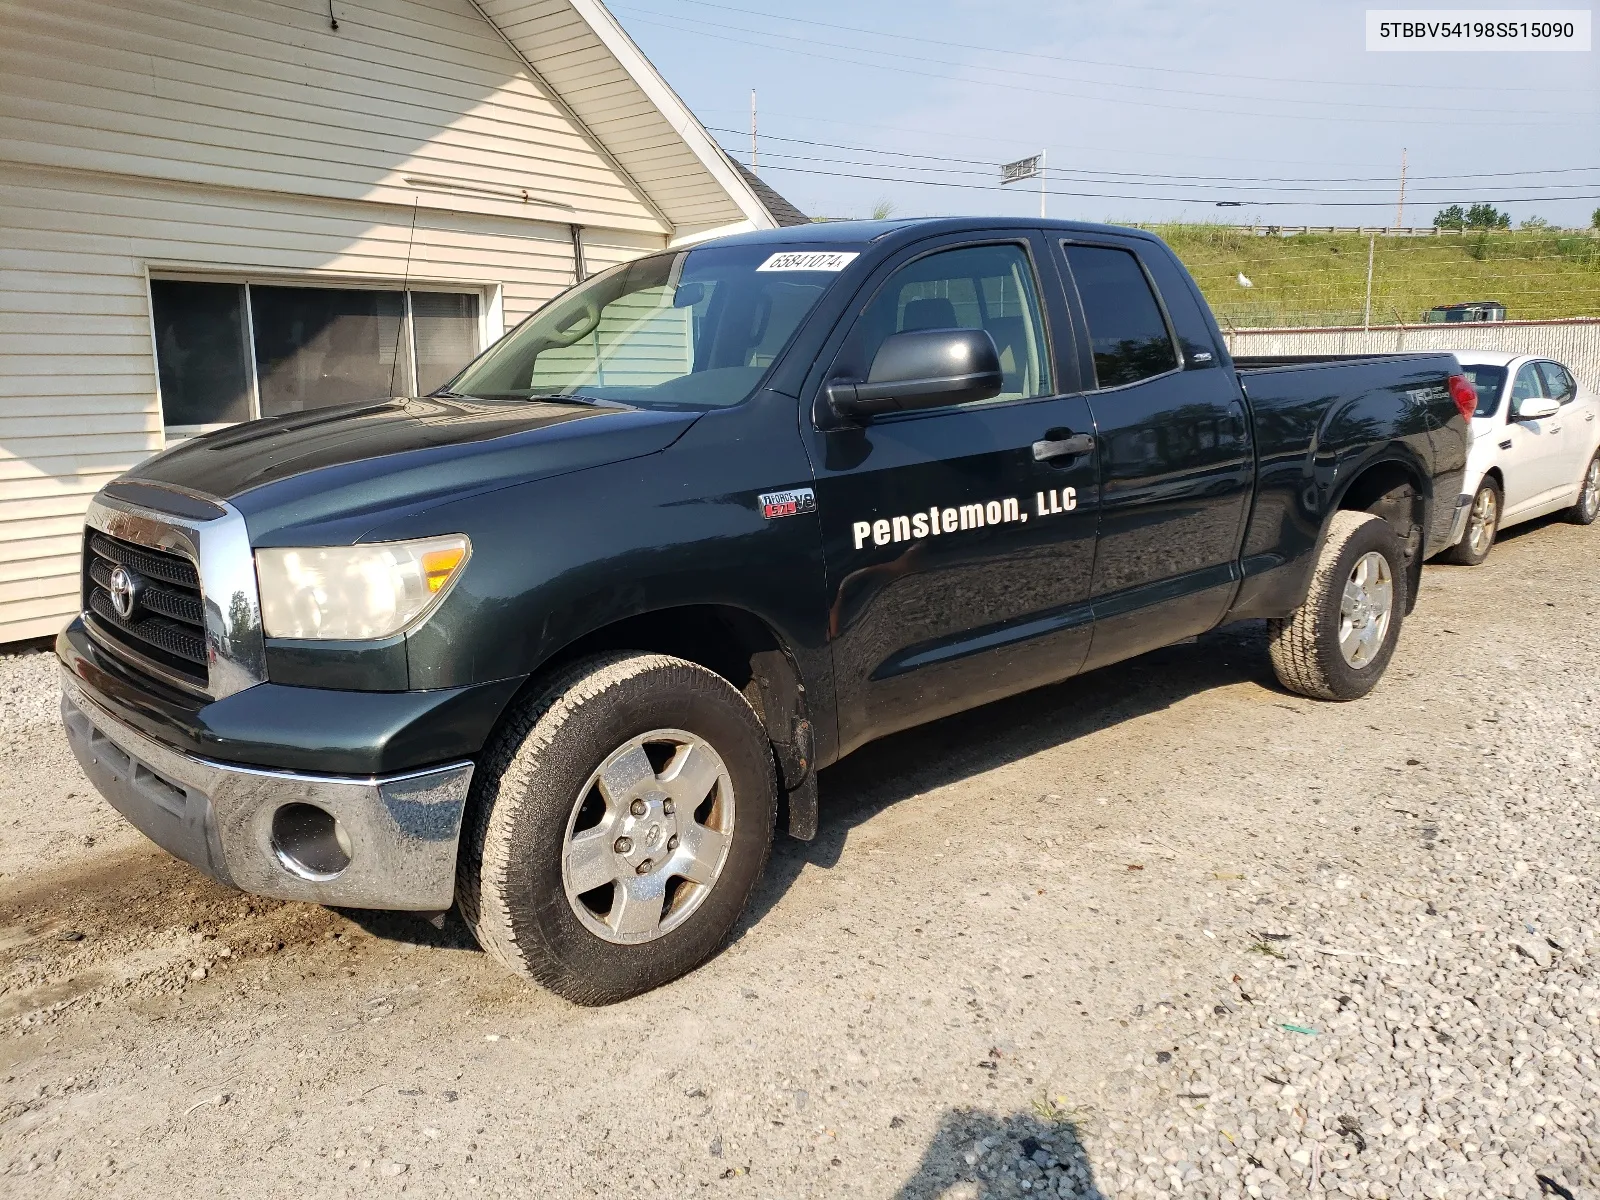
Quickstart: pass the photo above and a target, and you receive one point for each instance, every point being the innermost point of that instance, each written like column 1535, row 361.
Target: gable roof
column 784, row 214
column 590, row 66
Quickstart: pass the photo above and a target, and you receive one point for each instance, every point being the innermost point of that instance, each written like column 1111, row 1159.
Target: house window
column 228, row 352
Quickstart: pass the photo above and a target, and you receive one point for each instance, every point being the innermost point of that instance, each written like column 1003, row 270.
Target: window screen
column 445, row 325
column 1126, row 330
column 202, row 357
column 321, row 346
column 975, row 287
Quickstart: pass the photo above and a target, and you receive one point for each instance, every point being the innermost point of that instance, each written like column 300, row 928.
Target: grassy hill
column 1320, row 278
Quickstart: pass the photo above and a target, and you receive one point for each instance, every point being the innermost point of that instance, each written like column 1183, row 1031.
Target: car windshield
column 1488, row 381
column 694, row 329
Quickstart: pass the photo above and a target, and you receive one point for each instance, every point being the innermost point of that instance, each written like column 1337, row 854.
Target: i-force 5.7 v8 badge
column 787, row 504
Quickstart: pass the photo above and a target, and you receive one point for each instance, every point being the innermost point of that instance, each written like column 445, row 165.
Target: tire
column 538, row 820
column 1588, row 506
column 1305, row 647
column 1482, row 525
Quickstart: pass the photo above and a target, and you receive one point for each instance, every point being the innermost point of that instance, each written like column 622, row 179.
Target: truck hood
column 342, row 470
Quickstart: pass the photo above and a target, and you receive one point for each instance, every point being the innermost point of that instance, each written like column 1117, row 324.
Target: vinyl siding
column 78, row 401
column 266, row 97
column 575, row 62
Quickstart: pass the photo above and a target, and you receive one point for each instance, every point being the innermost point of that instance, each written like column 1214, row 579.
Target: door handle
column 1078, row 443
column 1588, row 416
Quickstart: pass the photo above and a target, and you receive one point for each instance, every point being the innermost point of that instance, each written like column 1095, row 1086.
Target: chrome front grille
column 166, row 621
column 185, row 562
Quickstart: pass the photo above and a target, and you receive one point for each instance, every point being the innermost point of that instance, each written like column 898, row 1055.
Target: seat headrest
column 934, row 312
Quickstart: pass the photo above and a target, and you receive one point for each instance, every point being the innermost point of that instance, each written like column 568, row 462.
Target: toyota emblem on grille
column 124, row 589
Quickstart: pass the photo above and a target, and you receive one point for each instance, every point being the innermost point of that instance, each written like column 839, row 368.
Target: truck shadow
column 946, row 751
column 1047, row 1151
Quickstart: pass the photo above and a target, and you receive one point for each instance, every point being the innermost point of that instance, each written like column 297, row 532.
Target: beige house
column 212, row 211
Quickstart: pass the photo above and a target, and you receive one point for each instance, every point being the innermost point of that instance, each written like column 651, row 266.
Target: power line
column 990, row 140
column 1080, row 178
column 1172, row 199
column 994, row 166
column 1119, row 66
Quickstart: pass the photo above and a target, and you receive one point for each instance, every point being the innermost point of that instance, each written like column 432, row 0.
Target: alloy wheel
column 648, row 836
column 1366, row 609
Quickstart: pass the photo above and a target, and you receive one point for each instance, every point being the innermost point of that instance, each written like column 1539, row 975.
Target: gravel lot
column 1160, row 929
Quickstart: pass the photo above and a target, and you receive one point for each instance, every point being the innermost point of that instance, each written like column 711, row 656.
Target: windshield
column 1488, row 381
column 693, row 329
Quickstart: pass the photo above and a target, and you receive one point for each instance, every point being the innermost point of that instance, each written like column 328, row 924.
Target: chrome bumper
column 1458, row 526
column 400, row 831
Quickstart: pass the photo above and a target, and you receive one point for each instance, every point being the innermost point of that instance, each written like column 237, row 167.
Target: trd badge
column 787, row 504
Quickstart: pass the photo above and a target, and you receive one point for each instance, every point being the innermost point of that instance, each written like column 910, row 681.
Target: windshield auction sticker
column 1478, row 29
column 810, row 260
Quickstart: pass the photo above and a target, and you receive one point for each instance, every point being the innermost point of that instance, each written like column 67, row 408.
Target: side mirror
column 1536, row 407
column 923, row 368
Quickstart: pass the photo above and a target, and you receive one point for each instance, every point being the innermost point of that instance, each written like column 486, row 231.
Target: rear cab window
column 1128, row 332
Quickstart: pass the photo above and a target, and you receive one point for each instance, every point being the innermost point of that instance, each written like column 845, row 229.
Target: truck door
column 1176, row 465
column 960, row 540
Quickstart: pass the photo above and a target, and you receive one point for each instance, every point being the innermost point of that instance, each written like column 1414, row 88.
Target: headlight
column 354, row 592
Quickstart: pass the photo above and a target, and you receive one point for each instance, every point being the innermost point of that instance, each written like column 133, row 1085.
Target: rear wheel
column 1588, row 506
column 1338, row 643
column 619, row 823
column 1483, row 522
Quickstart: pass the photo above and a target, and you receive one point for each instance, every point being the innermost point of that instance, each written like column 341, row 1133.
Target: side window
column 1558, row 384
column 975, row 287
column 1525, row 387
column 1128, row 335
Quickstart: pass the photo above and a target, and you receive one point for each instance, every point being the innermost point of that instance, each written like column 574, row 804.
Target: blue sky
column 1154, row 109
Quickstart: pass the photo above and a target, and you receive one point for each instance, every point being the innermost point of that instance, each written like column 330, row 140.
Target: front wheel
column 1483, row 522
column 618, row 824
column 1336, row 645
column 1588, row 506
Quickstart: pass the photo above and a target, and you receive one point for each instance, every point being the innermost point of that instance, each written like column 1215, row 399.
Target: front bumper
column 400, row 831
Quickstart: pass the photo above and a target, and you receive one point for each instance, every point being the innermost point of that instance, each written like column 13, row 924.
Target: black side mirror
column 924, row 368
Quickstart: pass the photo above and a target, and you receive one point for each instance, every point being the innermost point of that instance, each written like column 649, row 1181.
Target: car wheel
column 1336, row 645
column 1588, row 505
column 618, row 823
column 1483, row 522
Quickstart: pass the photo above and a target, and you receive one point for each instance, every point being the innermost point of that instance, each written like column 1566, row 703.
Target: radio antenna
column 405, row 296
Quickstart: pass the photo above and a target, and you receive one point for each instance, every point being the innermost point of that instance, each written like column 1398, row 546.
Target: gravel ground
column 1162, row 929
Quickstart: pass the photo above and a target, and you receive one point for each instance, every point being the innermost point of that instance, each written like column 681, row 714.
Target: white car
column 1535, row 437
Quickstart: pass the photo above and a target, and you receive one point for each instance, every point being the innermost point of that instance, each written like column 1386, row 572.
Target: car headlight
column 355, row 592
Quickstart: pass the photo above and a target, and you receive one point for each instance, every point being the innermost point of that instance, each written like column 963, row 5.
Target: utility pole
column 1041, row 184
column 755, row 166
column 1400, row 207
column 1366, row 311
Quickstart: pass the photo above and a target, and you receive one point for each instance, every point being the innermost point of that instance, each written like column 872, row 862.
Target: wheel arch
column 1396, row 488
column 745, row 649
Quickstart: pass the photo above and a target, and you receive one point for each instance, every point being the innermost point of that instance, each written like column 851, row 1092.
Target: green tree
column 1595, row 219
column 1454, row 217
column 1487, row 216
column 1535, row 223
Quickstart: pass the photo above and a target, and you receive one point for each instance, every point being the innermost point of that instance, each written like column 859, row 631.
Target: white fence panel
column 1573, row 342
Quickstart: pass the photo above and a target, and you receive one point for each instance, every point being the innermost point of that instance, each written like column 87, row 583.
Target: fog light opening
column 310, row 842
